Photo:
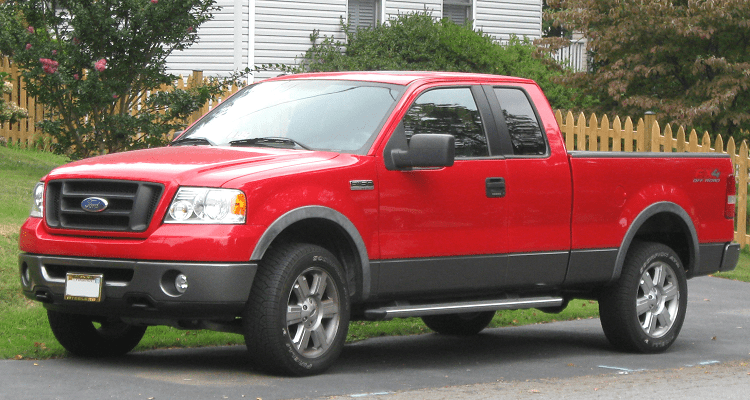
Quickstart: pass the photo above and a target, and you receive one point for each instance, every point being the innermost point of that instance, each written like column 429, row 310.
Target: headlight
column 37, row 206
column 194, row 205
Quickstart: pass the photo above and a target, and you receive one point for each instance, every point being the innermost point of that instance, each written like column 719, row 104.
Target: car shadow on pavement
column 430, row 350
column 490, row 347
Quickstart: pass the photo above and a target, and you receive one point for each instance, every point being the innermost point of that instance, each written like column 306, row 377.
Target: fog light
column 181, row 283
column 25, row 275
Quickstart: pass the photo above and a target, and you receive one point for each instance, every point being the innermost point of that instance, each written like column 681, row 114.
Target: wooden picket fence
column 590, row 134
column 24, row 133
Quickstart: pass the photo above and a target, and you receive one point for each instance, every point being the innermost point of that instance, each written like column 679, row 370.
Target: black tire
column 307, row 339
column 79, row 335
column 459, row 324
column 644, row 311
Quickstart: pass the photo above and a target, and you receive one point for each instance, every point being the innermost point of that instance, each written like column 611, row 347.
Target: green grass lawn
column 742, row 272
column 24, row 332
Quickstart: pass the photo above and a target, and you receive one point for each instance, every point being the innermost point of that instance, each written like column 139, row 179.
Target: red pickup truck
column 306, row 201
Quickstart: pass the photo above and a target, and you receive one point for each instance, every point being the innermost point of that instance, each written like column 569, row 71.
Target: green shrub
column 418, row 42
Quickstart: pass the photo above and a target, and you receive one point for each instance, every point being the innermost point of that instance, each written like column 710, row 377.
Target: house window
column 364, row 13
column 458, row 11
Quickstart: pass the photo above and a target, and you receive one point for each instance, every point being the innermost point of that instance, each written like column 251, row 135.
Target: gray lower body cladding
column 141, row 289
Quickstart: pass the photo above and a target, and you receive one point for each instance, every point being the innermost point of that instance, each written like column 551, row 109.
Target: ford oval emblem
column 94, row 204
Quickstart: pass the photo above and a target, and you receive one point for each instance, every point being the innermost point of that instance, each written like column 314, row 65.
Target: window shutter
column 362, row 13
column 456, row 13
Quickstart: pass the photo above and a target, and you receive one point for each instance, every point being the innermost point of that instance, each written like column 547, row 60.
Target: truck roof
column 406, row 77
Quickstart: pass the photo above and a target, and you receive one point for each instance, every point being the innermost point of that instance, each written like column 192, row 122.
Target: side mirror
column 426, row 151
column 175, row 135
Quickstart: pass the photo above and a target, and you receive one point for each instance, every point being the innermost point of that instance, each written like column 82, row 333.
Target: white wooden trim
column 237, row 35
column 474, row 14
column 251, row 38
column 382, row 19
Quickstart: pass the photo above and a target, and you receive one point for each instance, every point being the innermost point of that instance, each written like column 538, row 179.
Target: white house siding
column 257, row 32
column 503, row 18
column 283, row 28
column 223, row 43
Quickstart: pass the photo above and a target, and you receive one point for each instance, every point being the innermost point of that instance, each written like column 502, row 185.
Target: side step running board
column 418, row 310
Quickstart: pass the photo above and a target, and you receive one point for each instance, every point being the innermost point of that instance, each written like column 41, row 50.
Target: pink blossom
column 154, row 1
column 49, row 66
column 190, row 29
column 28, row 46
column 30, row 29
column 76, row 77
column 76, row 40
column 101, row 65
column 54, row 52
column 114, row 96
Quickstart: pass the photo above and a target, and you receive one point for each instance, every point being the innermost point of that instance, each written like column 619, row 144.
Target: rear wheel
column 297, row 317
column 459, row 324
column 88, row 337
column 645, row 309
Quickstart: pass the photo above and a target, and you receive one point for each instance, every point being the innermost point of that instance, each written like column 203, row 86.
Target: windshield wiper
column 269, row 142
column 189, row 141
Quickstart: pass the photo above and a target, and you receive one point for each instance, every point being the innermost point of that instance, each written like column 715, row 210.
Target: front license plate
column 84, row 287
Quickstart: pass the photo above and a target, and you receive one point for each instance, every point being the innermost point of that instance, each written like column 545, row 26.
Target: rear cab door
column 538, row 185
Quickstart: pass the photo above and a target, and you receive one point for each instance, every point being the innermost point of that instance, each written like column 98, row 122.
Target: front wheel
column 645, row 309
column 84, row 336
column 297, row 316
column 459, row 324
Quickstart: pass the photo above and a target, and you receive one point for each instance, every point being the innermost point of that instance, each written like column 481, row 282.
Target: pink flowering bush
column 49, row 66
column 101, row 65
column 89, row 62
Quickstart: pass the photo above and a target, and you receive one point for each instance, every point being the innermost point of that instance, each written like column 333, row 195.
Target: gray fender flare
column 648, row 212
column 321, row 212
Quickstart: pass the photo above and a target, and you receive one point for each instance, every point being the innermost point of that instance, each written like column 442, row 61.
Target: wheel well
column 332, row 237
column 669, row 229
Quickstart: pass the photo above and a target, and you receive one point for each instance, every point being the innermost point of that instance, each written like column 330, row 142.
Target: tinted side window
column 525, row 132
column 452, row 111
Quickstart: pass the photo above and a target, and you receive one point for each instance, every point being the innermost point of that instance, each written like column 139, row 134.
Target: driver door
column 444, row 229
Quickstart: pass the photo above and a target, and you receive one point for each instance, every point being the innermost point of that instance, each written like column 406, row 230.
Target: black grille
column 131, row 205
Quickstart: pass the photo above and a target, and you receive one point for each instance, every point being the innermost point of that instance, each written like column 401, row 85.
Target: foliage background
column 687, row 60
column 97, row 67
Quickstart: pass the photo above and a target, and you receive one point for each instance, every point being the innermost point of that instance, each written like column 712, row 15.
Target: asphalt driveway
column 716, row 332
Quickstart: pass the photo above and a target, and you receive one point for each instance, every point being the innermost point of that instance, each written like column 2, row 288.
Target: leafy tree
column 91, row 63
column 686, row 60
column 549, row 28
column 416, row 41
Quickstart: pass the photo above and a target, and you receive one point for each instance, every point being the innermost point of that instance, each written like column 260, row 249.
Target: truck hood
column 194, row 165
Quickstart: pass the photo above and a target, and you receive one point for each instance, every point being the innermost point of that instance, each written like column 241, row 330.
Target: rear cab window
column 518, row 123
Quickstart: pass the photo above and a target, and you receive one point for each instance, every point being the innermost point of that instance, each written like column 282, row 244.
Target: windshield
column 341, row 116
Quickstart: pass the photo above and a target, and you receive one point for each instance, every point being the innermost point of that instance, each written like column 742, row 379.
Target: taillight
column 731, row 206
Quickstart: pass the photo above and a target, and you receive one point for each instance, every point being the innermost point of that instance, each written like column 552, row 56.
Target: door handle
column 495, row 187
